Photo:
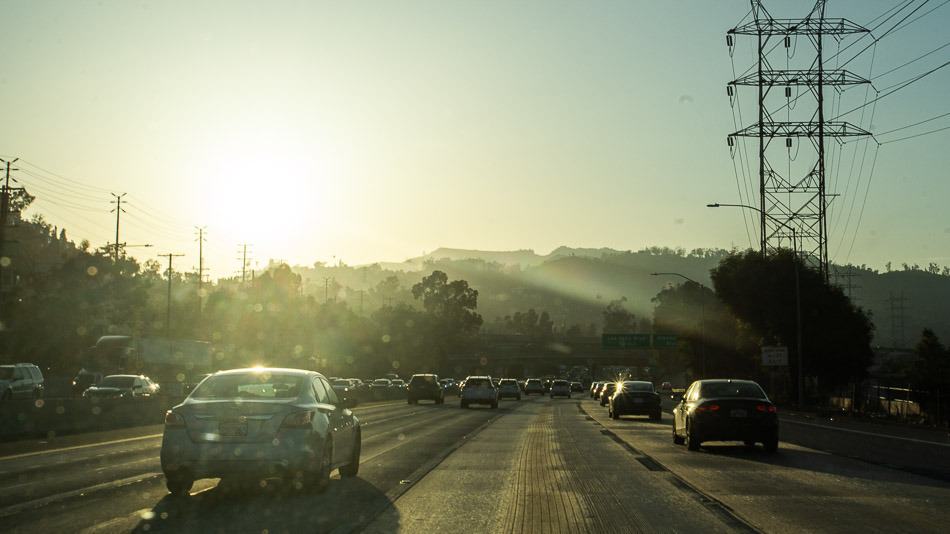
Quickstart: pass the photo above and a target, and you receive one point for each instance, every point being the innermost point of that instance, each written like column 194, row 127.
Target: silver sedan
column 260, row 422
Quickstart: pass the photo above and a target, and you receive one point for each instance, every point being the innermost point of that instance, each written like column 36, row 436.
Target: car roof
column 425, row 374
column 637, row 382
column 726, row 381
column 483, row 377
column 281, row 370
column 125, row 376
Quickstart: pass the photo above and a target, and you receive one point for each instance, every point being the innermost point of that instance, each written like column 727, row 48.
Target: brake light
column 708, row 408
column 173, row 419
column 297, row 420
column 770, row 408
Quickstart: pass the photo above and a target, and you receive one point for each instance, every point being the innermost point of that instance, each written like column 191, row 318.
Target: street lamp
column 798, row 291
column 702, row 318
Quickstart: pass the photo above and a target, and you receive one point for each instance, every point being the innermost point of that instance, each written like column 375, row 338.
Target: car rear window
column 422, row 379
column 561, row 383
column 637, row 386
column 477, row 382
column 533, row 382
column 344, row 383
column 731, row 389
column 250, row 386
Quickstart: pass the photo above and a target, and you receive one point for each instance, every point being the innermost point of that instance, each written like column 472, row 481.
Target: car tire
column 677, row 440
column 771, row 444
column 692, row 441
column 656, row 416
column 321, row 478
column 179, row 485
column 613, row 414
column 463, row 404
column 351, row 469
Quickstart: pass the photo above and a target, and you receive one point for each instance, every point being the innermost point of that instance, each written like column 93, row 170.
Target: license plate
column 638, row 401
column 738, row 413
column 232, row 429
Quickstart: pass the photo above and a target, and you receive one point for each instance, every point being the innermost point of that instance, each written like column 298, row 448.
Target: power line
column 906, row 63
column 902, row 86
column 915, row 135
column 883, row 35
column 914, row 124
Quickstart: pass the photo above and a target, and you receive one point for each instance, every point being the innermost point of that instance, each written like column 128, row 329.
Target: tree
column 760, row 291
column 932, row 368
column 450, row 307
column 617, row 320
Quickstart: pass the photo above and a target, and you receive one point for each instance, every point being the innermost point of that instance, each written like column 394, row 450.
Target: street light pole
column 702, row 319
column 798, row 291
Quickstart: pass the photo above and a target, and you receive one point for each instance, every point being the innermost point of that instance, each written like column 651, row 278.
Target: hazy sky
column 378, row 130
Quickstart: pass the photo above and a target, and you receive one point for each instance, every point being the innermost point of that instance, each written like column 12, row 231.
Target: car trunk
column 737, row 411
column 229, row 421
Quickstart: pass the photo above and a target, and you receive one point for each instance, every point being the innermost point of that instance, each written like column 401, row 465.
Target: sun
column 269, row 187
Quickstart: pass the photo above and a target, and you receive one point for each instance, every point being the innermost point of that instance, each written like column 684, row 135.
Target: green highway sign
column 638, row 341
column 625, row 341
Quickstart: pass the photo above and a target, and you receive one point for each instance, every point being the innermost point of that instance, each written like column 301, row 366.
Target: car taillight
column 708, row 408
column 174, row 419
column 297, row 420
column 770, row 408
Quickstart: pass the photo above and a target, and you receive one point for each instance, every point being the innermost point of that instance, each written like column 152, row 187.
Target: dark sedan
column 606, row 391
column 635, row 398
column 425, row 387
column 725, row 410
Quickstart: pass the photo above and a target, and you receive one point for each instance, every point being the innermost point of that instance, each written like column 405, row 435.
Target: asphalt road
column 539, row 465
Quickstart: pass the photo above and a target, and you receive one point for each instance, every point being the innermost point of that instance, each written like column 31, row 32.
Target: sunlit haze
column 376, row 131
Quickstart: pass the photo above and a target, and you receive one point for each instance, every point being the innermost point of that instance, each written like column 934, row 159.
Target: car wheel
column 463, row 404
column 771, row 444
column 179, row 485
column 656, row 416
column 351, row 469
column 677, row 440
column 613, row 414
column 321, row 479
column 692, row 441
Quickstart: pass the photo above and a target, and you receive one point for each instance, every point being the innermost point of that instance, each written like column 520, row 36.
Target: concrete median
column 55, row 416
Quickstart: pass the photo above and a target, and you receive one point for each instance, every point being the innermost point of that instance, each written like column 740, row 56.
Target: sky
column 368, row 131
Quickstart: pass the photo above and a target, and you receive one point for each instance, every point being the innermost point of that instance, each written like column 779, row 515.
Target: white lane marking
column 37, row 503
column 77, row 447
column 863, row 433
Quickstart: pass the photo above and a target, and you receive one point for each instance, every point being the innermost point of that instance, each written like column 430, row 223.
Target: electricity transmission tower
column 796, row 196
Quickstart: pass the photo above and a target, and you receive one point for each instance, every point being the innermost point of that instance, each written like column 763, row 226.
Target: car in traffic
column 83, row 380
column 478, row 390
column 577, row 387
column 122, row 387
column 21, row 381
column 508, row 389
column 635, row 397
column 425, row 387
column 260, row 423
column 346, row 390
column 594, row 389
column 449, row 386
column 560, row 388
column 725, row 410
column 606, row 391
column 399, row 383
column 533, row 386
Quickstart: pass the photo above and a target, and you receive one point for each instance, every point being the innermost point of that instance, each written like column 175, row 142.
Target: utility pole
column 794, row 200
column 168, row 305
column 4, row 217
column 326, row 289
column 118, row 212
column 244, row 263
column 201, row 266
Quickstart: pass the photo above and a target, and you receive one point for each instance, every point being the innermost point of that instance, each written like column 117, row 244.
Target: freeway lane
column 798, row 489
column 532, row 466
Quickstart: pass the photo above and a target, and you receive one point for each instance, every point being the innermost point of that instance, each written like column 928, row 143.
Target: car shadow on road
column 271, row 506
column 820, row 462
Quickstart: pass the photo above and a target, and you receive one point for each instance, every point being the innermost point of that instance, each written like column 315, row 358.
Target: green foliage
column 932, row 369
column 617, row 320
column 836, row 335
